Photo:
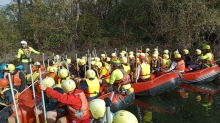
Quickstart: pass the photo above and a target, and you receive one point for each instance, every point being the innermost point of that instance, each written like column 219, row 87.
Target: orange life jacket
column 16, row 79
column 180, row 66
column 84, row 107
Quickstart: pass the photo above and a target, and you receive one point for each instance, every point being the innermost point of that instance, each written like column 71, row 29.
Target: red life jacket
column 180, row 66
column 16, row 79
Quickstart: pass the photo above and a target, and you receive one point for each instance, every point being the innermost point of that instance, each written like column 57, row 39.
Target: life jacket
column 3, row 97
column 35, row 77
column 209, row 62
column 148, row 59
column 166, row 63
column 160, row 58
column 93, row 87
column 145, row 71
column 127, row 68
column 154, row 63
column 83, row 111
column 16, row 79
column 180, row 66
column 59, row 104
column 106, row 76
column 26, row 53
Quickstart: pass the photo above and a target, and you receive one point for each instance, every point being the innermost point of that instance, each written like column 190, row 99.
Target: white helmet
column 131, row 53
column 63, row 73
column 156, row 52
column 90, row 74
column 124, row 60
column 97, row 59
column 166, row 51
column 123, row 116
column 113, row 54
column 68, row 85
column 97, row 108
column 24, row 42
column 103, row 55
column 198, row 51
column 147, row 50
column 108, row 59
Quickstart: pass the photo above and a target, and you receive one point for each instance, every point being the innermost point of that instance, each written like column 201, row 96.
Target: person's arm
column 63, row 98
column 84, row 85
column 112, row 78
column 8, row 97
column 53, row 103
column 6, row 113
column 19, row 53
column 34, row 51
column 172, row 67
column 138, row 72
column 23, row 81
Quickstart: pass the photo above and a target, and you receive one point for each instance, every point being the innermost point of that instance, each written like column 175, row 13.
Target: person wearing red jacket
column 75, row 100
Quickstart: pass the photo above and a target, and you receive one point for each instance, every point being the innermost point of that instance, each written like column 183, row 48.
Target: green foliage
column 53, row 24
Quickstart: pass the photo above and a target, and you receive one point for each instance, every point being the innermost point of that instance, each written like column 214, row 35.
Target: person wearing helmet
column 52, row 72
column 24, row 55
column 17, row 77
column 123, row 116
column 125, row 65
column 148, row 50
column 5, row 94
column 113, row 56
column 75, row 100
column 208, row 58
column 187, row 57
column 143, row 71
column 98, row 113
column 178, row 64
column 197, row 64
column 52, row 104
column 103, row 73
column 64, row 75
column 166, row 51
column 2, row 70
column 166, row 62
column 82, row 67
column 91, row 85
column 155, row 64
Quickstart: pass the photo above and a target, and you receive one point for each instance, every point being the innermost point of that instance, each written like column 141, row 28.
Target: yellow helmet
column 98, row 64
column 131, row 56
column 124, row 60
column 92, row 59
column 9, row 67
column 36, row 63
column 155, row 55
column 108, row 59
column 97, row 108
column 90, row 74
column 198, row 51
column 166, row 56
column 97, row 59
column 155, row 49
column 156, row 52
column 206, row 47
column 48, row 82
column 122, row 54
column 82, row 62
column 142, row 54
column 103, row 55
column 123, row 116
column 77, row 60
column 147, row 50
column 68, row 61
column 131, row 53
column 185, row 51
column 52, row 69
column 113, row 54
column 137, row 54
column 93, row 62
column 56, row 57
column 68, row 85
column 166, row 51
column 63, row 73
column 177, row 56
column 176, row 52
column 83, row 57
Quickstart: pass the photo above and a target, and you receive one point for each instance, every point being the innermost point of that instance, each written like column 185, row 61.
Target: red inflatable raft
column 157, row 85
column 201, row 76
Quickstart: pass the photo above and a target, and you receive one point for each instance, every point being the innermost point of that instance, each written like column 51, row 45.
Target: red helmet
column 3, row 82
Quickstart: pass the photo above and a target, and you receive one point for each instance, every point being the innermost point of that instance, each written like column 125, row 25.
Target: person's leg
column 62, row 120
column 51, row 116
column 157, row 73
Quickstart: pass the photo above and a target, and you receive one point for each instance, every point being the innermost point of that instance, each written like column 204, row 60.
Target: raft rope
column 139, row 114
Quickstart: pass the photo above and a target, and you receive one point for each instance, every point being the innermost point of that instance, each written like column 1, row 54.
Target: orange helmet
column 3, row 82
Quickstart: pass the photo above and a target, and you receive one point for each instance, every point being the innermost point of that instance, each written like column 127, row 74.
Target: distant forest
column 67, row 25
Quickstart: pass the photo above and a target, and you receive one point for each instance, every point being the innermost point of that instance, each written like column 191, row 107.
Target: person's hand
column 13, row 107
column 152, row 71
column 37, row 111
column 42, row 87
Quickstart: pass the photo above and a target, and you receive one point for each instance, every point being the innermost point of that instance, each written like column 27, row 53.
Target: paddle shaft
column 13, row 97
column 43, row 61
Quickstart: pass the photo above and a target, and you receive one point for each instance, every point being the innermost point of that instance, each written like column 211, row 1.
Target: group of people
column 72, row 89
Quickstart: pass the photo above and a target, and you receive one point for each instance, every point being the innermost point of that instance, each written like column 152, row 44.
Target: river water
column 187, row 110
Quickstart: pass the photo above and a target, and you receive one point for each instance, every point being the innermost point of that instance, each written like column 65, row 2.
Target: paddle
column 108, row 103
column 43, row 61
column 33, row 91
column 42, row 95
column 116, row 52
column 77, row 66
column 13, row 97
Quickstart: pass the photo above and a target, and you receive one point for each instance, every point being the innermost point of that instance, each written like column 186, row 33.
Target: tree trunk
column 19, row 12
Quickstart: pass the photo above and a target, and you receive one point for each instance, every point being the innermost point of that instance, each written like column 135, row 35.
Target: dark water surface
column 188, row 110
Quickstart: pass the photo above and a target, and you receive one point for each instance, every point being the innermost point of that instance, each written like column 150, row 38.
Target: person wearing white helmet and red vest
column 24, row 55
